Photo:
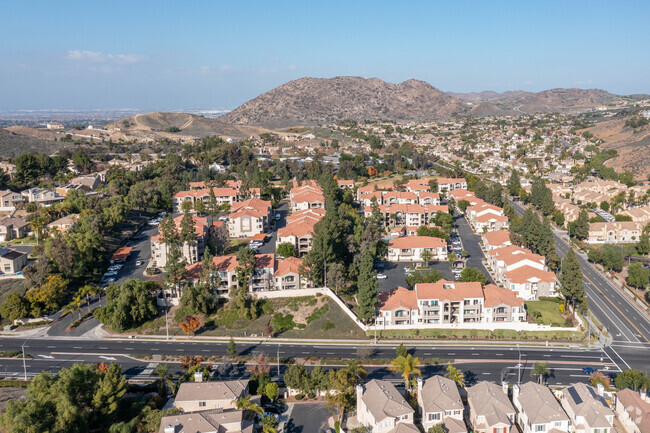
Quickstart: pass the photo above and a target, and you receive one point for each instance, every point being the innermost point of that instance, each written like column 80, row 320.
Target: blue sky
column 191, row 54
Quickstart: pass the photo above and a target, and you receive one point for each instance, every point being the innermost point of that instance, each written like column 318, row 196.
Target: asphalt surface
column 395, row 275
column 141, row 251
column 269, row 246
column 308, row 418
column 471, row 244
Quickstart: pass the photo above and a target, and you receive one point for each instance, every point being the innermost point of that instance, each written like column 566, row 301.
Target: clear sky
column 191, row 54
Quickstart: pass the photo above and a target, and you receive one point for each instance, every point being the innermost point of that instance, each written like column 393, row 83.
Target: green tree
column 232, row 347
column 463, row 205
column 81, row 161
column 613, row 258
column 540, row 370
column 197, row 299
column 14, row 307
column 245, row 266
column 297, row 377
column 367, row 286
column 456, row 375
column 128, row 305
column 433, row 185
column 470, row 274
column 48, row 297
column 286, row 249
column 271, row 390
column 581, row 226
column 637, row 276
column 514, row 183
column 632, row 379
column 110, row 390
column 406, row 366
column 336, row 276
column 438, row 428
column 571, row 285
column 246, row 404
column 643, row 246
column 427, row 256
column 401, row 350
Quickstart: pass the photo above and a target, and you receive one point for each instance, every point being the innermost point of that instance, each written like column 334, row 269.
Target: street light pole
column 519, row 367
column 23, row 349
column 278, row 361
column 166, row 321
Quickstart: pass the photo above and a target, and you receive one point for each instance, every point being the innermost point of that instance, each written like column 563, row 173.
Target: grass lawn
column 545, row 312
column 479, row 334
column 235, row 245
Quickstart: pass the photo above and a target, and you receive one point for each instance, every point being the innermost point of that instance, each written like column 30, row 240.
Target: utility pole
column 278, row 361
column 166, row 321
column 519, row 367
column 375, row 328
column 23, row 349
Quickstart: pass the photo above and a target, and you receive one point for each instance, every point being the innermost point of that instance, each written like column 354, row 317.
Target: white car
column 138, row 263
column 109, row 280
column 381, row 276
column 110, row 274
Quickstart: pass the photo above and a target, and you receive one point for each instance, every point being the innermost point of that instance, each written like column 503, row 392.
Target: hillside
column 632, row 145
column 155, row 125
column 18, row 139
column 309, row 101
column 487, row 95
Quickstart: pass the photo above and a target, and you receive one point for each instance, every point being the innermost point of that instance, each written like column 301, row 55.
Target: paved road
column 141, row 251
column 471, row 245
column 308, row 418
column 269, row 246
column 629, row 327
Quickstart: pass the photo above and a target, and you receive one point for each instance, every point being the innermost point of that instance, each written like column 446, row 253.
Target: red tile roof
column 398, row 297
column 449, row 290
column 527, row 273
column 290, row 265
column 495, row 296
column 417, row 242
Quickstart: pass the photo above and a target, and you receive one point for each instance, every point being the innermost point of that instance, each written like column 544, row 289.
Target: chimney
column 419, row 385
column 643, row 393
column 515, row 392
column 600, row 389
column 170, row 429
column 504, row 387
column 198, row 376
column 359, row 389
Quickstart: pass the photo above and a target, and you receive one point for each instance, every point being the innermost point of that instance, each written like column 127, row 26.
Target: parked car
column 278, row 216
column 589, row 370
column 110, row 274
column 109, row 280
column 381, row 276
column 138, row 263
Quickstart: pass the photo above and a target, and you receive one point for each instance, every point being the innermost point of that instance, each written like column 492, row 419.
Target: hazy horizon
column 166, row 55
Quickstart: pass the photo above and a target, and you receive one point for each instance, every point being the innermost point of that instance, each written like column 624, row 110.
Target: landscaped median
column 479, row 334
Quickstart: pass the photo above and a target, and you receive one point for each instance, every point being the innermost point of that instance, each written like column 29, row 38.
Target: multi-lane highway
column 479, row 362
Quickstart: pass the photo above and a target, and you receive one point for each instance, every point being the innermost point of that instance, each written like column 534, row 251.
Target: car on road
column 278, row 216
column 381, row 276
column 138, row 263
column 589, row 370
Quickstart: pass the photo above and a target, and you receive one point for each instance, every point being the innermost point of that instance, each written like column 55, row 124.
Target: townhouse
column 638, row 214
column 12, row 228
column 249, row 218
column 411, row 248
column 449, row 302
column 306, row 196
column 209, row 421
column 496, row 239
column 451, row 184
column 206, row 230
column 198, row 396
column 615, row 232
column 9, row 200
column 439, row 402
column 538, row 409
column 381, row 407
column 632, row 410
column 223, row 196
column 12, row 261
column 587, row 409
column 489, row 409
column 484, row 217
column 42, row 196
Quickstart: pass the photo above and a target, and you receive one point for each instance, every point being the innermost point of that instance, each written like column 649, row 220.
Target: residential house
column 411, row 248
column 538, row 409
column 381, row 407
column 8, row 168
column 9, row 200
column 12, row 261
column 249, row 218
column 209, row 421
column 496, row 239
column 42, row 196
column 587, row 409
column 439, row 402
column 12, row 228
column 615, row 232
column 221, row 394
column 633, row 411
column 490, row 409
column 62, row 225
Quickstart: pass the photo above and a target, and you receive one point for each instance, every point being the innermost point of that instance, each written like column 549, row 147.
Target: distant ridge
column 309, row 101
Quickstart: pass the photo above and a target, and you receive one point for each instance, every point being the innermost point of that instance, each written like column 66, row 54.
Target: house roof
column 216, row 420
column 217, row 390
column 525, row 274
column 488, row 217
column 383, row 400
column 403, row 427
column 449, row 290
column 417, row 242
column 540, row 404
column 8, row 254
column 453, row 425
column 496, row 296
column 262, row 206
column 122, row 253
column 497, row 237
column 290, row 265
column 439, row 394
column 636, row 407
column 16, row 222
column 398, row 297
column 585, row 401
column 488, row 400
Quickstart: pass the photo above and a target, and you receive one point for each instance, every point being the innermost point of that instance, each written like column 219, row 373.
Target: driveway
column 269, row 246
column 141, row 251
column 471, row 245
column 308, row 418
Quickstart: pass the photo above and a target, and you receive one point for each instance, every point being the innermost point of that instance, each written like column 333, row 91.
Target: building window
column 433, row 416
column 202, row 404
column 539, row 427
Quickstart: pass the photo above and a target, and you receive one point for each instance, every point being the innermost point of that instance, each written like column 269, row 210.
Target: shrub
column 329, row 325
column 318, row 313
column 300, row 396
column 281, row 323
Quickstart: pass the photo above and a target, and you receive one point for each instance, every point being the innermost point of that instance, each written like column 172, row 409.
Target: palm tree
column 406, row 366
column 245, row 404
column 455, row 374
column 427, row 256
column 541, row 370
column 77, row 301
column 357, row 371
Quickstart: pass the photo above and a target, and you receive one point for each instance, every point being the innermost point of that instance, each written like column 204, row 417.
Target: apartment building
column 451, row 184
column 587, row 409
column 490, row 409
column 484, row 217
column 381, row 407
column 411, row 248
column 538, row 409
column 287, row 275
column 615, row 232
column 530, row 283
column 306, row 196
column 506, row 259
column 249, row 218
column 407, row 214
column 638, row 214
column 439, row 402
column 448, row 302
column 222, row 196
column 299, row 230
column 496, row 239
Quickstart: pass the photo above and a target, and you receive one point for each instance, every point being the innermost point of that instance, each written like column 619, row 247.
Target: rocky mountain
column 309, row 101
column 487, row 95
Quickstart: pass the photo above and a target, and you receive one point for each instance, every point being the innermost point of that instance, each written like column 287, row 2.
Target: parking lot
column 141, row 252
column 308, row 418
